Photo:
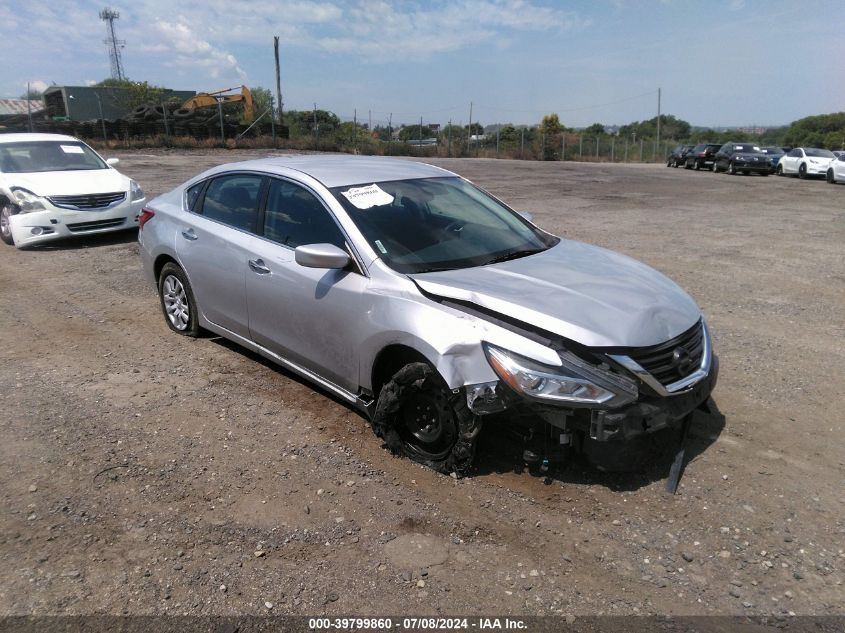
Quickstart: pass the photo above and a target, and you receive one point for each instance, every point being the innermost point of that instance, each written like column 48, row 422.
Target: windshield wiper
column 513, row 255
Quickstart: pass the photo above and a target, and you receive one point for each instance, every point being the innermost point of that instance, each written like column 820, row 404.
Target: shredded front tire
column 418, row 417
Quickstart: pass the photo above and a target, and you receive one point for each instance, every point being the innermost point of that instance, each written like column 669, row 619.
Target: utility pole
column 278, row 80
column 469, row 129
column 273, row 120
column 449, row 141
column 522, row 145
column 370, row 121
column 420, row 132
column 657, row 145
column 220, row 114
column 563, row 146
column 29, row 106
column 316, row 129
column 497, row 139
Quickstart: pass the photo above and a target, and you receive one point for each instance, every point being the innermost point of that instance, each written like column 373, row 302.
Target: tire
column 447, row 442
column 802, row 171
column 688, row 166
column 5, row 224
column 715, row 167
column 731, row 169
column 764, row 173
column 177, row 301
column 779, row 170
column 697, row 165
column 829, row 177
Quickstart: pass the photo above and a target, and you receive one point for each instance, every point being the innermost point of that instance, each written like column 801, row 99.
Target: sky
column 717, row 63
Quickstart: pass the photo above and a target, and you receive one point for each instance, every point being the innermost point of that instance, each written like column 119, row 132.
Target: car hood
column 587, row 294
column 70, row 183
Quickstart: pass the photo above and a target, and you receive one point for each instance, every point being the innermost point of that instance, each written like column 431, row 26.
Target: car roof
column 27, row 136
column 337, row 170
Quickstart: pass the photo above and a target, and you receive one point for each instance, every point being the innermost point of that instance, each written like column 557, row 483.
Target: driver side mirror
column 321, row 256
column 112, row 161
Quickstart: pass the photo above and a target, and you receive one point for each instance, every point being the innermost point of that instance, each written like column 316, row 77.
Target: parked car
column 428, row 304
column 701, row 156
column 836, row 169
column 678, row 155
column 54, row 186
column 838, row 152
column 804, row 162
column 774, row 154
column 741, row 158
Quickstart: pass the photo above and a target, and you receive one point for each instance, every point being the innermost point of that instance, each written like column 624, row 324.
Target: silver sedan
column 428, row 304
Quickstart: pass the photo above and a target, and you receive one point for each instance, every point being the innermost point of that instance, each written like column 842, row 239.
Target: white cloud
column 37, row 85
column 178, row 45
column 380, row 31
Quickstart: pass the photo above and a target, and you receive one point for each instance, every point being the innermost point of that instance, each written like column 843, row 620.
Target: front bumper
column 816, row 170
column 55, row 223
column 756, row 166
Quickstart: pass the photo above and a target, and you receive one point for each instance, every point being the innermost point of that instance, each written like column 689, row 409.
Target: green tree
column 413, row 132
column 596, row 129
column 550, row 125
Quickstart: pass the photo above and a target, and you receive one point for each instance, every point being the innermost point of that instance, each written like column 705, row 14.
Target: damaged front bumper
column 650, row 406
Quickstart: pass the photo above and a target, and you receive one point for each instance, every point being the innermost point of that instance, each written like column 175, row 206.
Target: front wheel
column 715, row 168
column 802, row 171
column 177, row 300
column 419, row 417
column 732, row 169
column 6, row 224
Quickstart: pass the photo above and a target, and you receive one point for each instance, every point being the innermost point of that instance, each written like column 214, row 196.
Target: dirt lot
column 142, row 472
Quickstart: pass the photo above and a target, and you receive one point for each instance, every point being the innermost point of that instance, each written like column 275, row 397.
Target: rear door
column 310, row 316
column 213, row 246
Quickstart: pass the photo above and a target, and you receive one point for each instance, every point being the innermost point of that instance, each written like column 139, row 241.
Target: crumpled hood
column 585, row 293
column 70, row 183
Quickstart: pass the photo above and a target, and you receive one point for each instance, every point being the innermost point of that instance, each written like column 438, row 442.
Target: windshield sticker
column 72, row 149
column 381, row 247
column 369, row 196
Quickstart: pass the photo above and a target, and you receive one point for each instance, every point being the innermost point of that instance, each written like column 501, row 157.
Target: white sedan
column 54, row 186
column 805, row 161
column 836, row 169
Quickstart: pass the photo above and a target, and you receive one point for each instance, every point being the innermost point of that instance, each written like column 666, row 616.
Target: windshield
column 746, row 149
column 39, row 156
column 771, row 150
column 819, row 153
column 429, row 224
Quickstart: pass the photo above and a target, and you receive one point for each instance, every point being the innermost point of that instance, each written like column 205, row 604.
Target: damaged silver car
column 428, row 304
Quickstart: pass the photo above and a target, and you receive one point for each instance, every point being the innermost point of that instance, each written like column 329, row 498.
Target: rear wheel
column 802, row 170
column 715, row 168
column 779, row 170
column 697, row 165
column 6, row 223
column 419, row 417
column 732, row 169
column 829, row 177
column 177, row 300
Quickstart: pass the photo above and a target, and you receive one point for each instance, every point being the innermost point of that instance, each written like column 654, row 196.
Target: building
column 80, row 103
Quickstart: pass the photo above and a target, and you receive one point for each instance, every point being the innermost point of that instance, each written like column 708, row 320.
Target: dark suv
column 743, row 158
column 701, row 156
column 678, row 155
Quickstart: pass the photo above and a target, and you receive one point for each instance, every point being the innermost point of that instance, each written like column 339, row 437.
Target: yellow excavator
column 210, row 99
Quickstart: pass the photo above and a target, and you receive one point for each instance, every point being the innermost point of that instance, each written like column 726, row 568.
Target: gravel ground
column 144, row 473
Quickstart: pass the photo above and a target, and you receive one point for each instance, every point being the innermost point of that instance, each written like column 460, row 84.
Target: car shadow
column 98, row 240
column 499, row 452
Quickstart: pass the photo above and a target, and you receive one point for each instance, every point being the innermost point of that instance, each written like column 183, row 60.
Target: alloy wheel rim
column 175, row 302
column 5, row 227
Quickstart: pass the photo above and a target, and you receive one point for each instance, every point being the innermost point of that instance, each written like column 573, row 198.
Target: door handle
column 257, row 266
column 189, row 235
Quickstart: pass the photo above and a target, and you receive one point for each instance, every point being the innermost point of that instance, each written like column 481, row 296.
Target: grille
column 659, row 360
column 79, row 227
column 88, row 201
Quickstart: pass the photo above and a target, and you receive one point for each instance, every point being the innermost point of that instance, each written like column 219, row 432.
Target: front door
column 310, row 316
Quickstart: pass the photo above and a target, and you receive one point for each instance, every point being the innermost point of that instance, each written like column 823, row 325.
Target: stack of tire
column 200, row 123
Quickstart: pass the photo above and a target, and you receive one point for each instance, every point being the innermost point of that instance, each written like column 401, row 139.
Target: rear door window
column 233, row 200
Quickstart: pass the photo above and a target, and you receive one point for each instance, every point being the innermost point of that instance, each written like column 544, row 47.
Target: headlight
column 26, row 200
column 135, row 191
column 574, row 382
